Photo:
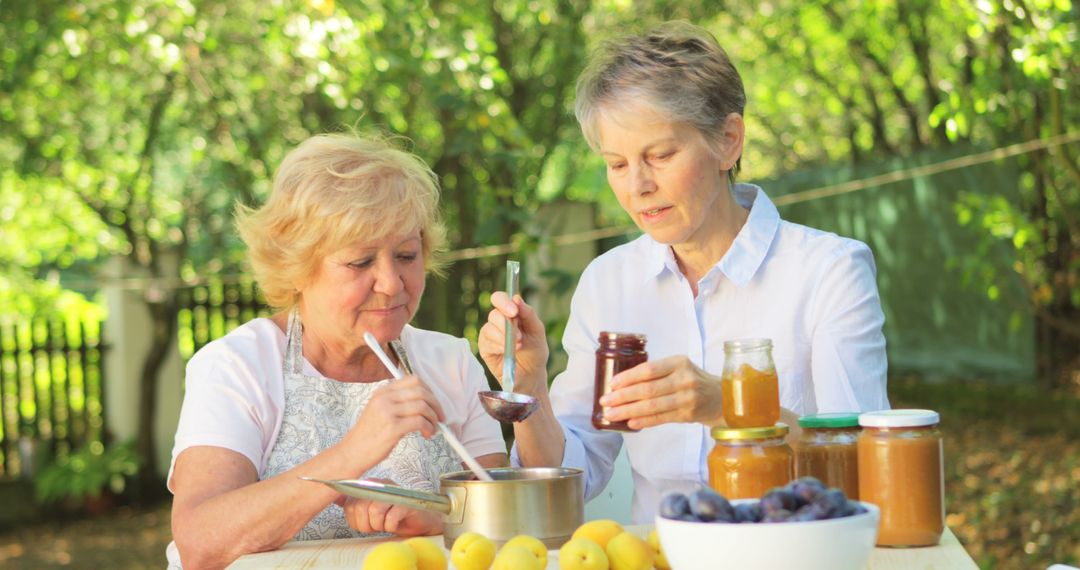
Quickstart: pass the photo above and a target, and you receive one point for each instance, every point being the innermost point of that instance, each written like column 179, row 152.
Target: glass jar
column 745, row 463
column 617, row 352
column 750, row 387
column 901, row 471
column 828, row 449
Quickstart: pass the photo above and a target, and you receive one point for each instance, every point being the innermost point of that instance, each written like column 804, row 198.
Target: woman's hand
column 662, row 391
column 530, row 343
column 372, row 516
column 396, row 409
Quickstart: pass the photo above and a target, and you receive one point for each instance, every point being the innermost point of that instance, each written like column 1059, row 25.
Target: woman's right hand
column 396, row 409
column 369, row 516
column 530, row 346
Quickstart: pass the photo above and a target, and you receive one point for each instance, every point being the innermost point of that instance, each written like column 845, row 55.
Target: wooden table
column 349, row 553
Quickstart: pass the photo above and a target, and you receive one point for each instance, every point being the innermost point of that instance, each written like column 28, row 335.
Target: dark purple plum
column 778, row 515
column 748, row 513
column 781, row 504
column 803, row 515
column 709, row 506
column 811, row 512
column 806, row 489
column 777, row 499
column 674, row 505
column 832, row 503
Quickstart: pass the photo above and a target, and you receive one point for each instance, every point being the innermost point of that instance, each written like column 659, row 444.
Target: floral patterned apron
column 320, row 411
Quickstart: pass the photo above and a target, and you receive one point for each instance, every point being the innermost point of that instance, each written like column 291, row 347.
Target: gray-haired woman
column 665, row 111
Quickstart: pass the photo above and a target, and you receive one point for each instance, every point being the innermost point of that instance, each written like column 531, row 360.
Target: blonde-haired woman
column 341, row 247
column 664, row 109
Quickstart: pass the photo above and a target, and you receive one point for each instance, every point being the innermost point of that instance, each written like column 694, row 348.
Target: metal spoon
column 506, row 405
column 463, row 453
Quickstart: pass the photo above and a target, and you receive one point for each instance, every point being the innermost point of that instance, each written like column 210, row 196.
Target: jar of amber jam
column 828, row 449
column 901, row 471
column 750, row 387
column 745, row 463
column 617, row 352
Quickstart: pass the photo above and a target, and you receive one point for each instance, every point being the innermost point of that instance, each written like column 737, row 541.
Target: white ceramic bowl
column 835, row 544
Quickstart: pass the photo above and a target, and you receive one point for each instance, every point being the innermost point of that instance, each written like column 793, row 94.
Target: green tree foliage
column 145, row 121
column 132, row 127
column 840, row 81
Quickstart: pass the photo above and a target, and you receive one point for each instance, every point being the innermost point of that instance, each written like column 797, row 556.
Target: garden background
column 942, row 133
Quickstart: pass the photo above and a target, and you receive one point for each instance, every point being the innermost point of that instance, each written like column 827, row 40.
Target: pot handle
column 384, row 493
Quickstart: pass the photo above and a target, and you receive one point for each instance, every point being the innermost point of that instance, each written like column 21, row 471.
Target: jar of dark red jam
column 617, row 352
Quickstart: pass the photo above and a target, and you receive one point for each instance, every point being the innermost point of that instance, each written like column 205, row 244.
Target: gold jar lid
column 766, row 432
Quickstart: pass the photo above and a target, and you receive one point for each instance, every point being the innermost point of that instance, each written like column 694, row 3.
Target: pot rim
column 543, row 474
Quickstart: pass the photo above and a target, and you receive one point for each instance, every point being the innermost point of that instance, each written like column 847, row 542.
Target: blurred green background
column 942, row 133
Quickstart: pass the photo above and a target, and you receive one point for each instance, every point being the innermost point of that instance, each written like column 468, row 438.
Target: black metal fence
column 210, row 311
column 52, row 371
column 50, row 389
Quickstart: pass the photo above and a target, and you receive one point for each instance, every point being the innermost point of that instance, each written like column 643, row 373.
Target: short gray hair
column 677, row 68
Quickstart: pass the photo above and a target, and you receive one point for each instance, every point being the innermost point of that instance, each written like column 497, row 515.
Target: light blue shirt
column 812, row 292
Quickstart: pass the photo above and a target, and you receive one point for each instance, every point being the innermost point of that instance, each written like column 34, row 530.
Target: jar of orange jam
column 747, row 462
column 828, row 449
column 749, row 385
column 901, row 471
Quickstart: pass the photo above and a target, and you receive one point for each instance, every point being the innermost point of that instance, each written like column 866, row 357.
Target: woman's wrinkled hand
column 671, row 389
column 396, row 409
column 369, row 516
column 530, row 342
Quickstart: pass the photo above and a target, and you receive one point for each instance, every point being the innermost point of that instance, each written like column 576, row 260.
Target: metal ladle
column 463, row 453
column 506, row 405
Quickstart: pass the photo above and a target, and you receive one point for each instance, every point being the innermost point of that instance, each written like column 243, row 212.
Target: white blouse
column 235, row 393
column 812, row 292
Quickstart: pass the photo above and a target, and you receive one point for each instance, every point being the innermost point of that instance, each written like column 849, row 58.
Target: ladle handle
column 451, row 439
column 513, row 269
column 384, row 493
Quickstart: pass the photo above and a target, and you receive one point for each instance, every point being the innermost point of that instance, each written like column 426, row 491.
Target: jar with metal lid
column 828, row 449
column 617, row 352
column 745, row 463
column 901, row 471
column 749, row 385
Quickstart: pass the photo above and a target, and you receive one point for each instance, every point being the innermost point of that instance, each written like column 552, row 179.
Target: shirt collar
column 747, row 252
column 661, row 259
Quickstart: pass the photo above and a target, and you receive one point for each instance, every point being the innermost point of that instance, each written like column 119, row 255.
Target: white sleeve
column 226, row 404
column 849, row 365
column 480, row 433
column 587, row 448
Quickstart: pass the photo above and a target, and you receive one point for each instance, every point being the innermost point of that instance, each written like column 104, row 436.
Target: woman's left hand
column 668, row 390
column 373, row 516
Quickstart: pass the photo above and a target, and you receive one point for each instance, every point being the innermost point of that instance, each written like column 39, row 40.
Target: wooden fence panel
column 51, row 376
column 210, row 311
column 50, row 388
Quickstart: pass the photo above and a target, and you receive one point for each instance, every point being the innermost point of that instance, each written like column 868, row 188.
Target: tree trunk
column 1058, row 356
column 163, row 336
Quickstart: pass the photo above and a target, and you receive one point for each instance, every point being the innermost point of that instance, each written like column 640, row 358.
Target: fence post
column 126, row 329
column 557, row 218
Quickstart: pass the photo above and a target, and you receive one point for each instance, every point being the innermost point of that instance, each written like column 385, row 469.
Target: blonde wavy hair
column 331, row 191
column 676, row 67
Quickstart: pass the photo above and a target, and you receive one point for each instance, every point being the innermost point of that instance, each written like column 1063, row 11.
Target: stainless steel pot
column 544, row 502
